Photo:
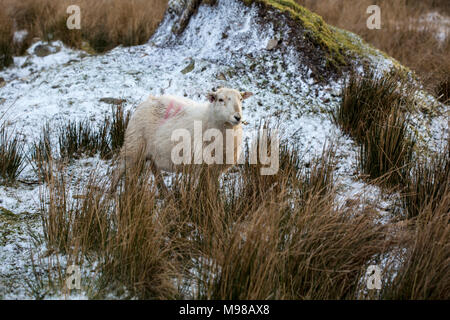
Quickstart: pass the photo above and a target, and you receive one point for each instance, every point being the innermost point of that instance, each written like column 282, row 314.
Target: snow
column 20, row 35
column 68, row 84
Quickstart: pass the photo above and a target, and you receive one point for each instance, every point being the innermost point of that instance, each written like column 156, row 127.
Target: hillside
column 293, row 62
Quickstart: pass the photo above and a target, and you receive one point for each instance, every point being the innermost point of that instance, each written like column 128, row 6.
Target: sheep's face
column 227, row 105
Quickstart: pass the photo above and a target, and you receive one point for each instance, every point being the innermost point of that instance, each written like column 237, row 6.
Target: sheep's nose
column 238, row 118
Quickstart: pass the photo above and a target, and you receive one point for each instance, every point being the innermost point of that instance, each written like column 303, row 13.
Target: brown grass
column 126, row 234
column 424, row 272
column 105, row 24
column 373, row 112
column 6, row 38
column 254, row 237
column 286, row 239
column 12, row 155
column 428, row 183
column 387, row 151
column 400, row 35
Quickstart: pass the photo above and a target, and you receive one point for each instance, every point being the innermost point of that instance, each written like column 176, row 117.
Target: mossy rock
column 189, row 68
column 330, row 49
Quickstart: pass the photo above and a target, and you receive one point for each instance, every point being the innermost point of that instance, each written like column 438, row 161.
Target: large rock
column 185, row 9
column 42, row 50
column 113, row 101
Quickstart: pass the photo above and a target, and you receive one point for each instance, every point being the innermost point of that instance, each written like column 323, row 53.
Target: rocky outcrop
column 186, row 8
column 326, row 50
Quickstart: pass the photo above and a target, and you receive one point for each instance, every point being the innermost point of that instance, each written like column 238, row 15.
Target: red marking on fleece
column 171, row 107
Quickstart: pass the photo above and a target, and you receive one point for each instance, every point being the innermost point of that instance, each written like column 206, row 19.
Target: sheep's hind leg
column 117, row 174
column 158, row 177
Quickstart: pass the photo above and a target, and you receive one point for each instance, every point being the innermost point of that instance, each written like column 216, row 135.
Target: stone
column 42, row 50
column 272, row 44
column 221, row 76
column 112, row 101
column 189, row 68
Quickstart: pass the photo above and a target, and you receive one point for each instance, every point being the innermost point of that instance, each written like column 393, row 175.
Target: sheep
column 155, row 120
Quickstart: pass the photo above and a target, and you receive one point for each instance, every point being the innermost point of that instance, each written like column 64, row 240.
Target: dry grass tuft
column 77, row 140
column 424, row 270
column 81, row 139
column 41, row 153
column 125, row 234
column 12, row 155
column 387, row 151
column 428, row 184
column 370, row 99
column 373, row 111
column 112, row 133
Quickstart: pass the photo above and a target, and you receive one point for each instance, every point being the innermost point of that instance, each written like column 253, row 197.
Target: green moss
column 86, row 47
column 8, row 225
column 13, row 226
column 338, row 45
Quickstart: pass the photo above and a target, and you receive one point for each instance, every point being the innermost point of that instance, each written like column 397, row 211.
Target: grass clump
column 373, row 112
column 112, row 133
column 84, row 139
column 78, row 139
column 388, row 150
column 12, row 155
column 369, row 100
column 41, row 153
column 428, row 184
column 424, row 269
column 125, row 234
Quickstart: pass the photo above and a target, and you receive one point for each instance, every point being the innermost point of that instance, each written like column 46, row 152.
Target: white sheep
column 155, row 120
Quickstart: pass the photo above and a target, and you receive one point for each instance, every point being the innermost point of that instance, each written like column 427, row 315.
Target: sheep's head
column 226, row 105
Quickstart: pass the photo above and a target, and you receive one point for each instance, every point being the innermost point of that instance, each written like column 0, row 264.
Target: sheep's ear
column 246, row 95
column 212, row 96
